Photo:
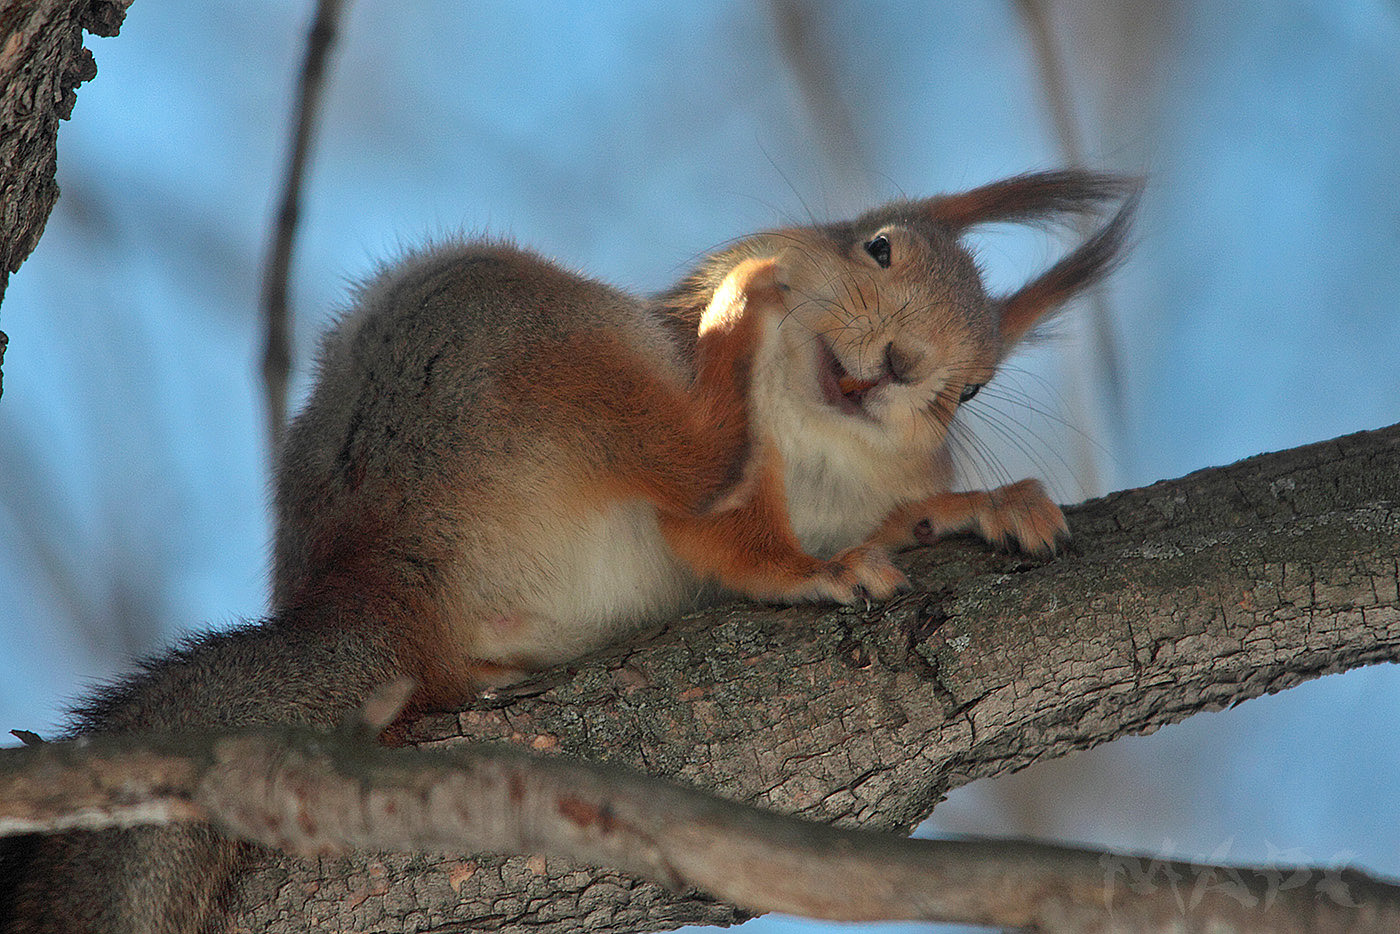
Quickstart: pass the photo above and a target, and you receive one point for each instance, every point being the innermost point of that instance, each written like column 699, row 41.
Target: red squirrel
column 504, row 465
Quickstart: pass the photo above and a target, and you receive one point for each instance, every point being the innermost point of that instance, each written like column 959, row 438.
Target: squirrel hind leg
column 632, row 432
column 449, row 677
column 688, row 449
column 489, row 676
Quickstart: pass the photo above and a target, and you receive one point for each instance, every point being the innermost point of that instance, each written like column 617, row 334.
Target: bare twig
column 277, row 353
column 317, row 794
column 810, row 65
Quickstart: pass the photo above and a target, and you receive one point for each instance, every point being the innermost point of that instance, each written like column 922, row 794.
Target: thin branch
column 810, row 65
column 1054, row 81
column 277, row 353
column 318, row 794
column 1055, row 85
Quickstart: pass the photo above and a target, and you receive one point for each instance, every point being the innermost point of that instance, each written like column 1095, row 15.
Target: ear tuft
column 1091, row 262
column 1032, row 198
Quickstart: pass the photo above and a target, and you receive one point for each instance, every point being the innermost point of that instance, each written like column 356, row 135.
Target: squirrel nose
column 900, row 364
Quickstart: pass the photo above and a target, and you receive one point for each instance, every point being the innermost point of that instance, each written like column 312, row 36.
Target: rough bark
column 42, row 62
column 1193, row 594
column 315, row 793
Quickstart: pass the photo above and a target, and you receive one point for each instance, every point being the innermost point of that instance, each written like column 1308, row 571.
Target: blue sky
column 1258, row 311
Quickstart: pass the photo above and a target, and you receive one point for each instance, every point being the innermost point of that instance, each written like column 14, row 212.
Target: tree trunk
column 42, row 62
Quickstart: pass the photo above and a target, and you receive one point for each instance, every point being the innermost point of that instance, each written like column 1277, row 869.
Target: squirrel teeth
column 842, row 391
column 853, row 388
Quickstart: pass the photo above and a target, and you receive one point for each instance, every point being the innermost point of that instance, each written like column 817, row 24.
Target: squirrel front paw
column 856, row 577
column 1019, row 513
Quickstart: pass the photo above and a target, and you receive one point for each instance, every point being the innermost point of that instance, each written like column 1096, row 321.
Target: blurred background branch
column 277, row 347
column 1104, row 348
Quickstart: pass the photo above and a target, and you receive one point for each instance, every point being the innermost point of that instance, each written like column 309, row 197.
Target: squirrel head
column 886, row 327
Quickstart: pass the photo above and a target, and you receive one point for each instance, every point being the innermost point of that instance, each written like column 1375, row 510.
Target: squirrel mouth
column 840, row 389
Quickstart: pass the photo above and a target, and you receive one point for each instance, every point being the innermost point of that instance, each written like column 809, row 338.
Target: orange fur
column 1018, row 512
column 653, row 439
column 575, row 408
column 682, row 449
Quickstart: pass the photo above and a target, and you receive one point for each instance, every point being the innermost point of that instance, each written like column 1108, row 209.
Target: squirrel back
column 483, row 458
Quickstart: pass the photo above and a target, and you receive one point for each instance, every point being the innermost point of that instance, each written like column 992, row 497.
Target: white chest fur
column 841, row 478
column 834, row 500
column 609, row 572
column 843, row 474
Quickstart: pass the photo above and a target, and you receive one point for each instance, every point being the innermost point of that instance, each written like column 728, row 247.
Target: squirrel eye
column 879, row 250
column 969, row 391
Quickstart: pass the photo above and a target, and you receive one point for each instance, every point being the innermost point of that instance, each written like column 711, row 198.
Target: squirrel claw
column 858, row 576
column 866, row 575
column 1023, row 514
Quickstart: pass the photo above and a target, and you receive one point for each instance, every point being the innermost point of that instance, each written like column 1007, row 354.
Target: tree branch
column 317, row 794
column 810, row 64
column 1055, row 85
column 1189, row 595
column 277, row 343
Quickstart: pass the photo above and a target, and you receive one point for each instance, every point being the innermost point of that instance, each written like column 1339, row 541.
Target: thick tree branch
column 1189, row 595
column 318, row 794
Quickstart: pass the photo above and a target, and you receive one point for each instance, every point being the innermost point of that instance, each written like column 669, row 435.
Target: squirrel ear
column 1046, row 197
column 1036, row 196
column 1092, row 261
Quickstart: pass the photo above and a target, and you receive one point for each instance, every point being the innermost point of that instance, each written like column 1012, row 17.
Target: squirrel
column 504, row 465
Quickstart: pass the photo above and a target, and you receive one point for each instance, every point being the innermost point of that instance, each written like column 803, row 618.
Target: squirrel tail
column 166, row 880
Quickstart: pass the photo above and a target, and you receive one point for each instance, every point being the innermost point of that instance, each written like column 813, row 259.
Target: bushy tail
column 167, row 880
